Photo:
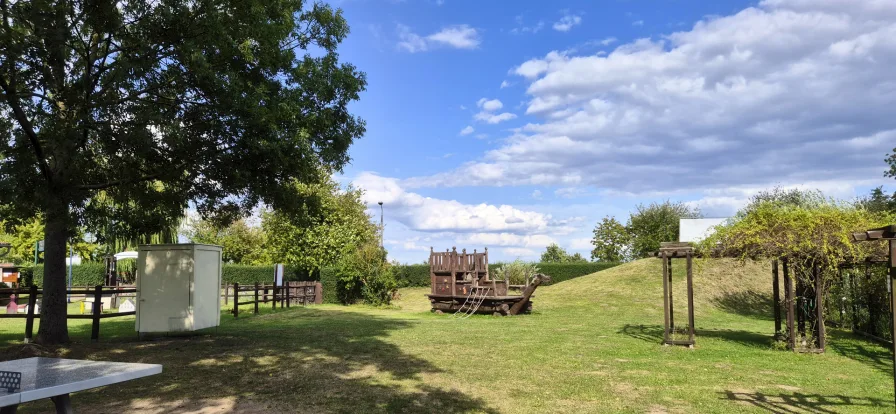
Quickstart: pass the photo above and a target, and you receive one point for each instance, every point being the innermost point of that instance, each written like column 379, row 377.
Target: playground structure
column 461, row 284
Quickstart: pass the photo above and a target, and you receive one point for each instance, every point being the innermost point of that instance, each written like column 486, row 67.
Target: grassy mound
column 592, row 344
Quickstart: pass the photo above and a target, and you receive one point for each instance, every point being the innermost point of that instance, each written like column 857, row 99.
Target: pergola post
column 788, row 303
column 691, row 327
column 666, row 289
column 893, row 305
column 819, row 307
column 776, row 295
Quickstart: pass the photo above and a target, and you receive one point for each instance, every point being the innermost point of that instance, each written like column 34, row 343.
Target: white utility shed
column 178, row 287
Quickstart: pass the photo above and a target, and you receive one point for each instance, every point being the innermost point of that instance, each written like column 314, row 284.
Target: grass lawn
column 591, row 345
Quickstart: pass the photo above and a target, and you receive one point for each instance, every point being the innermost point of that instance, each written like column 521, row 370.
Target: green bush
column 365, row 274
column 329, row 280
column 517, row 272
column 85, row 274
column 415, row 275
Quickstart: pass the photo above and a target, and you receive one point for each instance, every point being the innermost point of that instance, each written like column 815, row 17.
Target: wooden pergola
column 796, row 322
column 888, row 234
column 667, row 252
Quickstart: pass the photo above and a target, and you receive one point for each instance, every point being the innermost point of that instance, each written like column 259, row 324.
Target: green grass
column 591, row 345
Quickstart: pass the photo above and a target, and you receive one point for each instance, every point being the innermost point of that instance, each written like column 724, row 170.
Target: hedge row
column 417, row 275
column 92, row 274
column 328, row 282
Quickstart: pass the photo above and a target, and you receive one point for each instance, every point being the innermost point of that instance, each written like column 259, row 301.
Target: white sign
column 278, row 275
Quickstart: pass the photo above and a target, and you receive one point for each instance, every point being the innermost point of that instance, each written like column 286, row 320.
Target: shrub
column 329, row 281
column 415, row 275
column 364, row 273
column 517, row 272
column 85, row 274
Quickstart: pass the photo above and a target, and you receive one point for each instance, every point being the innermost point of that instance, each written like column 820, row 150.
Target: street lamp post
column 382, row 226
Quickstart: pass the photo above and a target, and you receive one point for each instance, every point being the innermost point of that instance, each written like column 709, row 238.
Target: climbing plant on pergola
column 810, row 238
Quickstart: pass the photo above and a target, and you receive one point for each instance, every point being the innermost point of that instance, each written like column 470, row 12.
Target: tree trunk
column 53, row 324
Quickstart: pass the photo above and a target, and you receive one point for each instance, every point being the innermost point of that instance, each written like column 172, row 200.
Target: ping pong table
column 31, row 379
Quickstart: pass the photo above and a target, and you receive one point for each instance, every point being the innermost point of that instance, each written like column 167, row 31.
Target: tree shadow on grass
column 654, row 334
column 860, row 349
column 747, row 303
column 802, row 403
column 299, row 360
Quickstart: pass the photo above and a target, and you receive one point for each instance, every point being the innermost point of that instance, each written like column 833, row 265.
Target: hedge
column 328, row 282
column 417, row 275
column 84, row 274
column 93, row 273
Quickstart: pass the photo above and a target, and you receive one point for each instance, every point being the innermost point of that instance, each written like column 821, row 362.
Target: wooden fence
column 97, row 292
column 298, row 293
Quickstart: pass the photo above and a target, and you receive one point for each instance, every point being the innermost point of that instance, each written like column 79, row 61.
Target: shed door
column 165, row 283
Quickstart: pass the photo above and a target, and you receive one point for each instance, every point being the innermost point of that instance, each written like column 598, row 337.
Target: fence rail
column 299, row 293
column 96, row 315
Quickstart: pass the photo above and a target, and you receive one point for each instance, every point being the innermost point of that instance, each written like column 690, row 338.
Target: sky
column 515, row 124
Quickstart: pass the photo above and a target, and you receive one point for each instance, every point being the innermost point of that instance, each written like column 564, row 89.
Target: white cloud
column 467, row 131
column 420, row 213
column 608, row 41
column 638, row 23
column 409, row 41
column 491, row 118
column 521, row 28
column 536, row 194
column 463, row 108
column 570, row 192
column 459, row 37
column 567, row 22
column 505, row 84
column 481, row 136
column 787, row 92
column 489, row 105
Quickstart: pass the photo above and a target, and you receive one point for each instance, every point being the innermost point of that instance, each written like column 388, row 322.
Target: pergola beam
column 883, row 233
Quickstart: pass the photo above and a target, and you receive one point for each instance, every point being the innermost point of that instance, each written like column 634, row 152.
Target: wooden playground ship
column 461, row 284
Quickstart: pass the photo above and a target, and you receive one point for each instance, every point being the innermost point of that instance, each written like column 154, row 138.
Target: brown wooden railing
column 97, row 292
column 300, row 293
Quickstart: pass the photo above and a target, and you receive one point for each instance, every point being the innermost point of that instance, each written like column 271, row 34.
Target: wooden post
column 892, row 266
column 788, row 303
column 274, row 290
column 776, row 296
column 236, row 300
column 665, row 299
column 97, row 308
column 256, row 297
column 690, row 271
column 819, row 307
column 226, row 293
column 671, row 299
column 29, row 320
column 287, row 293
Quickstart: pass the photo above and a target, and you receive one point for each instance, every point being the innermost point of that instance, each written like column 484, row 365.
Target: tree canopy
column 312, row 241
column 651, row 225
column 612, row 242
column 125, row 111
column 553, row 253
column 798, row 225
column 241, row 243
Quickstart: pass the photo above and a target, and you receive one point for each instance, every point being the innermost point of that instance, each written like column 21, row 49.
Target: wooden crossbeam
column 883, row 233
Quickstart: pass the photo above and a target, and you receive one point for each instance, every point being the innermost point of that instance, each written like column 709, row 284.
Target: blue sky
column 511, row 125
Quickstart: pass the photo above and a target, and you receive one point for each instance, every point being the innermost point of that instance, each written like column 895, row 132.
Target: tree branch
column 115, row 183
column 13, row 100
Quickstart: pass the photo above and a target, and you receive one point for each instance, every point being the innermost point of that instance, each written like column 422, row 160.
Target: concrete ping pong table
column 56, row 378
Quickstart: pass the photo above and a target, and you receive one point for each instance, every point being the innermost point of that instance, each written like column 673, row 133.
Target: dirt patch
column 789, row 388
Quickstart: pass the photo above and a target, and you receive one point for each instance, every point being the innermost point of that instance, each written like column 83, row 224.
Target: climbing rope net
column 472, row 303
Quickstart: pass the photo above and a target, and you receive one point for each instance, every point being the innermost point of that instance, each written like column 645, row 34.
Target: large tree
column 312, row 242
column 611, row 241
column 656, row 223
column 152, row 105
column 240, row 242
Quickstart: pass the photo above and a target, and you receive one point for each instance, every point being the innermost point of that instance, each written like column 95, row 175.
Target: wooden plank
column 788, row 303
column 29, row 322
column 97, row 309
column 691, row 329
column 776, row 299
column 665, row 299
